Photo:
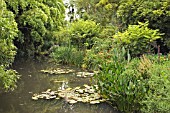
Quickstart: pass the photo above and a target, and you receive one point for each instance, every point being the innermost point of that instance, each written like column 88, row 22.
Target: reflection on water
column 32, row 81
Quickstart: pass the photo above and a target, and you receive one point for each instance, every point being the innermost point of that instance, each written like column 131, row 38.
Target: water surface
column 33, row 81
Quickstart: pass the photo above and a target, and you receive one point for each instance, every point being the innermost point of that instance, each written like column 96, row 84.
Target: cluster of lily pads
column 85, row 74
column 85, row 94
column 58, row 71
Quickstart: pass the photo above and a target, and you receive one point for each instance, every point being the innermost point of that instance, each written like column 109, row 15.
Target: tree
column 157, row 12
column 37, row 19
column 33, row 23
column 8, row 32
column 101, row 12
column 137, row 38
column 121, row 13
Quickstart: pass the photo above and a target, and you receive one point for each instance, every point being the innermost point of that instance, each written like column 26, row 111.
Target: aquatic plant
column 121, row 85
column 68, row 55
column 139, row 85
column 85, row 94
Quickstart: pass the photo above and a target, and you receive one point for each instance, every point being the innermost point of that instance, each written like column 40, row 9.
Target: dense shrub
column 139, row 85
column 137, row 38
column 157, row 99
column 83, row 32
column 120, row 84
column 62, row 37
column 8, row 78
column 80, row 33
column 98, row 53
column 156, row 12
column 68, row 55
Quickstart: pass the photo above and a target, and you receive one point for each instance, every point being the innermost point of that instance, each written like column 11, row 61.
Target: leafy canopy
column 8, row 32
column 36, row 20
column 137, row 38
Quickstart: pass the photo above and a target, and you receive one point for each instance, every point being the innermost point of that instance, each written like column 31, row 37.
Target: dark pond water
column 33, row 81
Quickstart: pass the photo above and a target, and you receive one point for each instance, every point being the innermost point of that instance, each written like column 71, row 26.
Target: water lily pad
column 79, row 99
column 52, row 97
column 91, row 91
column 61, row 94
column 86, row 86
column 57, row 81
column 48, row 90
column 85, row 74
column 48, row 98
column 57, row 98
column 95, row 102
column 72, row 101
column 34, row 98
column 80, row 91
column 52, row 93
column 85, row 99
column 68, row 89
column 79, row 76
column 77, row 88
column 72, row 95
column 102, row 100
column 57, row 71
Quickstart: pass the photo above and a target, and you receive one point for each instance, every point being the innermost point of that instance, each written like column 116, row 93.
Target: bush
column 139, row 85
column 8, row 78
column 81, row 33
column 62, row 37
column 157, row 99
column 137, row 38
column 68, row 55
column 121, row 84
column 98, row 53
column 156, row 12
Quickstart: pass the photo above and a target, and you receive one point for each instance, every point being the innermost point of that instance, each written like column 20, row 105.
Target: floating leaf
column 72, row 101
column 95, row 102
column 35, row 98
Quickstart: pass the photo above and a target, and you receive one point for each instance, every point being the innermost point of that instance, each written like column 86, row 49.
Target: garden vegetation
column 126, row 41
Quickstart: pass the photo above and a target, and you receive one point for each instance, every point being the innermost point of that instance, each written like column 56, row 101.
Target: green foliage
column 139, row 85
column 137, row 38
column 62, row 37
column 36, row 20
column 83, row 32
column 122, row 13
column 120, row 84
column 68, row 55
column 102, row 12
column 8, row 78
column 107, row 32
column 131, row 12
column 8, row 32
column 156, row 12
column 98, row 53
column 158, row 98
column 80, row 33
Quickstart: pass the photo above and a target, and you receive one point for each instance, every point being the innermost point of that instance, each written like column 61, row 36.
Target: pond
column 33, row 81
